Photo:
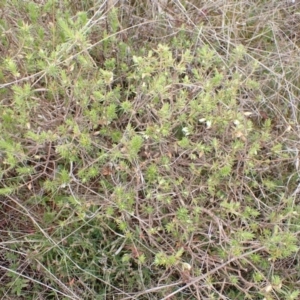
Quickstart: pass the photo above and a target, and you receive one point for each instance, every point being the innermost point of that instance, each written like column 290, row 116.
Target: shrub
column 151, row 158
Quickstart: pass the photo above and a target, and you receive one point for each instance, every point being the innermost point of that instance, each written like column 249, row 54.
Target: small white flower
column 185, row 131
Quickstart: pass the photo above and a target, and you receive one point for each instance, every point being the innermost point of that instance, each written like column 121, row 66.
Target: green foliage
column 162, row 259
column 134, row 145
column 137, row 158
column 281, row 244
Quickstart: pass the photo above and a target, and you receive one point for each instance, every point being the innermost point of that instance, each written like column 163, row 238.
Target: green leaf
column 135, row 145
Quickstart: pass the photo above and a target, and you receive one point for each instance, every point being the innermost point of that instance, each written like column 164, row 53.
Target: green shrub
column 148, row 159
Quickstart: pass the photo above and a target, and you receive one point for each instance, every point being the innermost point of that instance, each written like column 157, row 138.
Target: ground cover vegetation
column 149, row 149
